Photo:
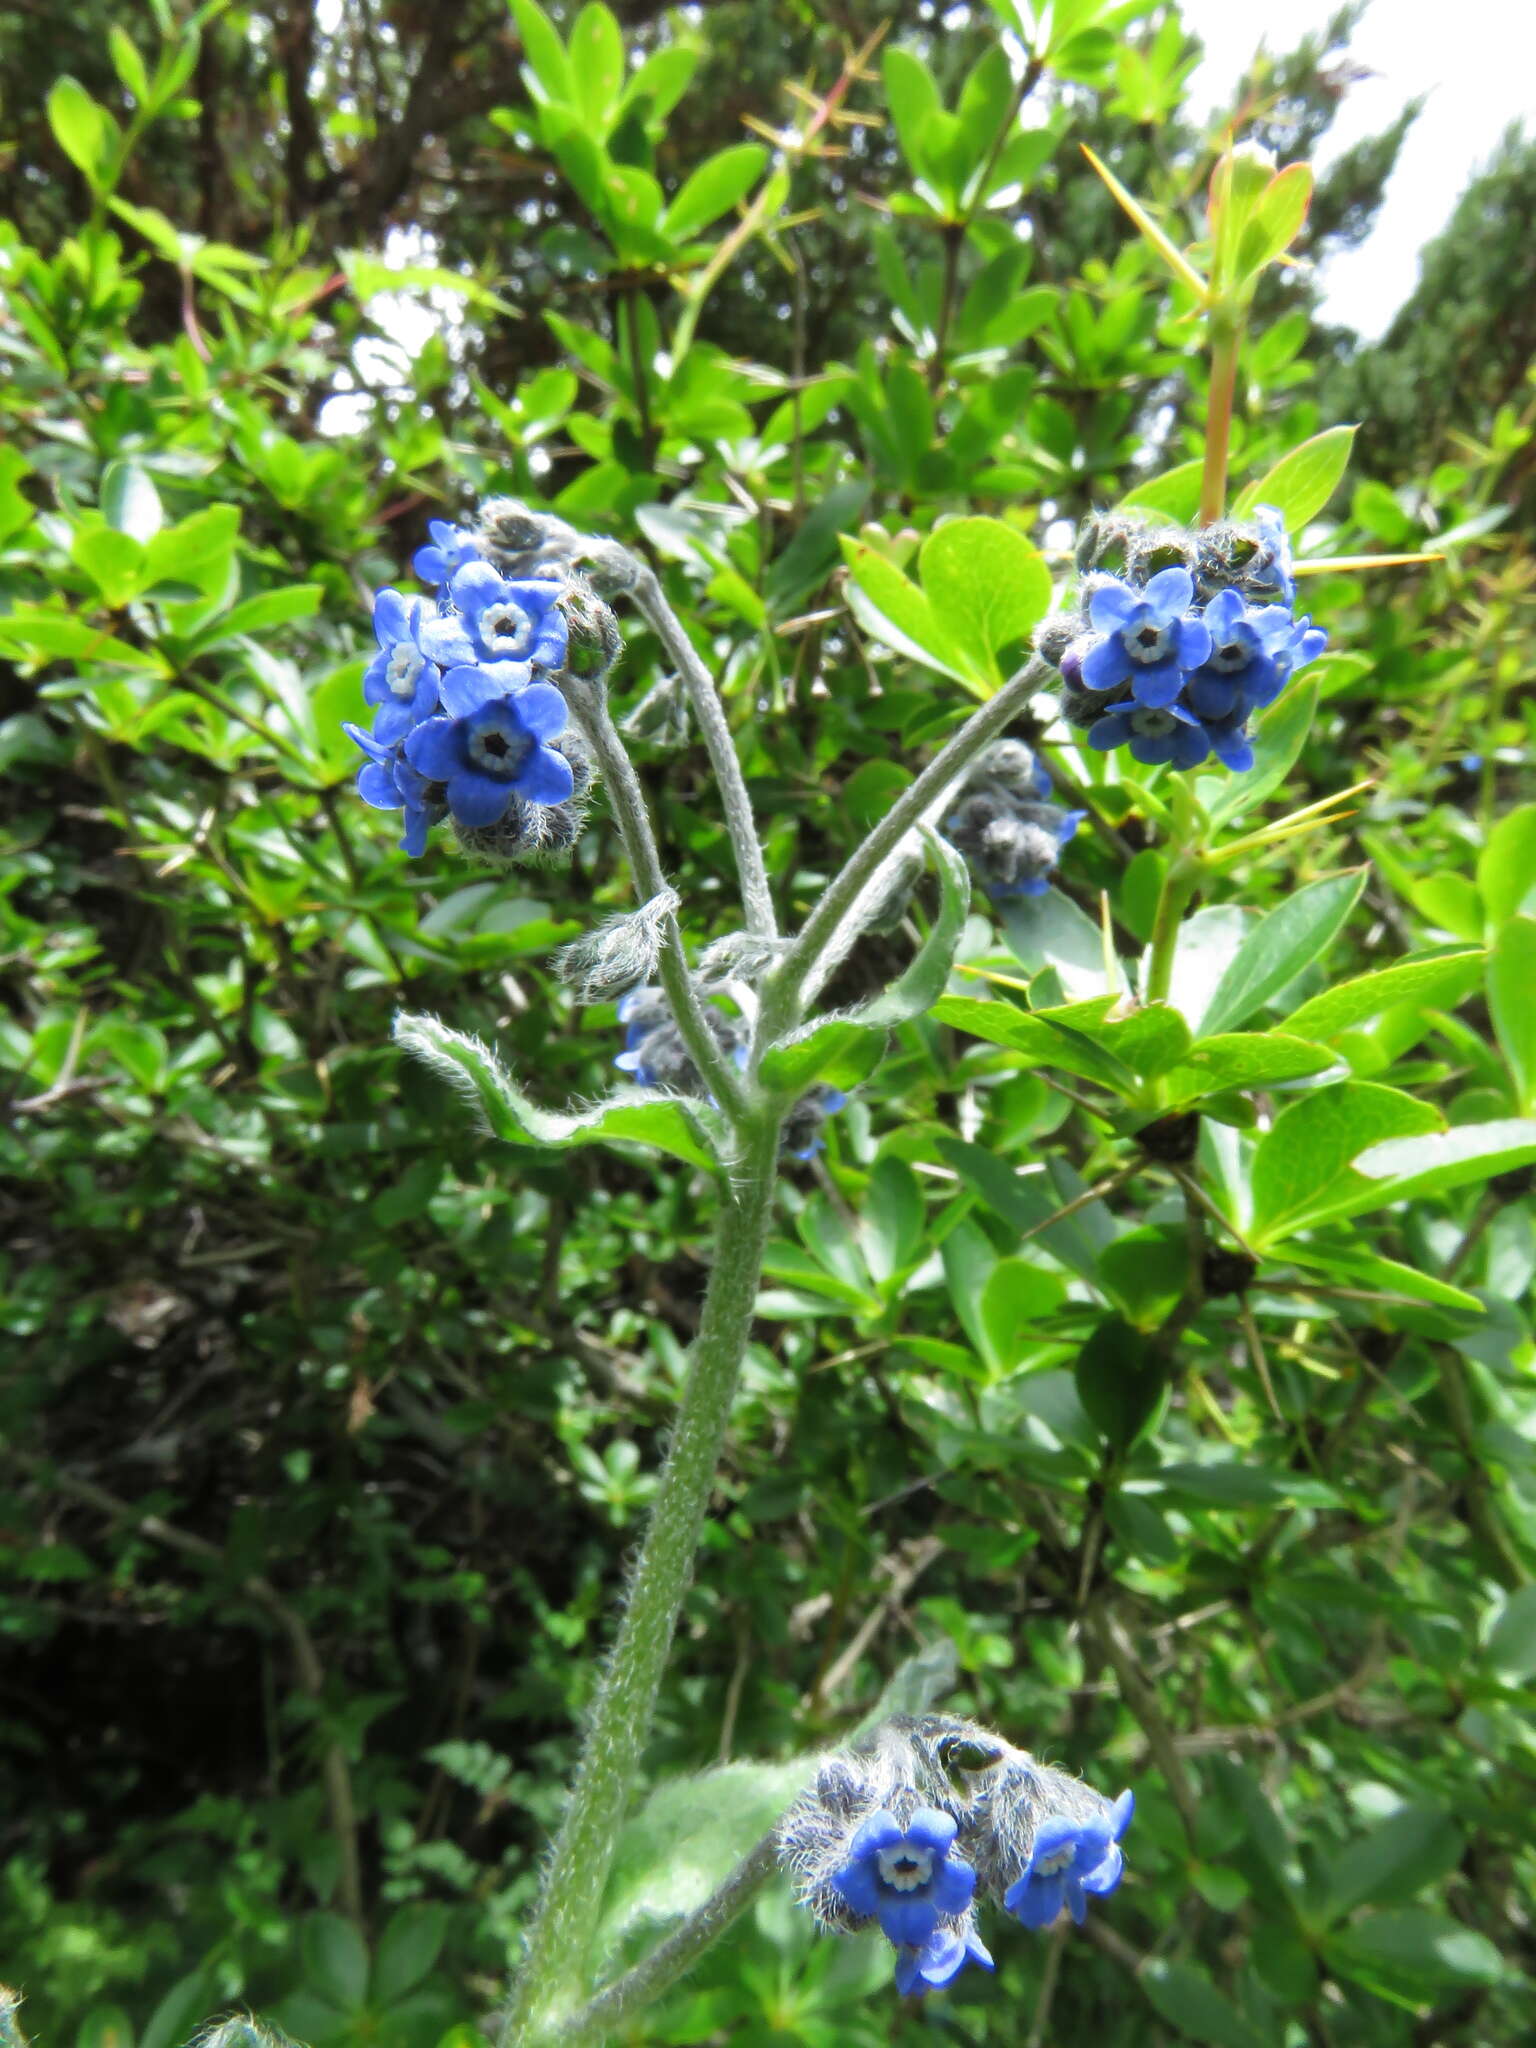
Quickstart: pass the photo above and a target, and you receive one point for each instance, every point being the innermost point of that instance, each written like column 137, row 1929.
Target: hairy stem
column 551, row 1983
column 757, row 900
column 602, row 2015
column 782, row 992
column 634, row 821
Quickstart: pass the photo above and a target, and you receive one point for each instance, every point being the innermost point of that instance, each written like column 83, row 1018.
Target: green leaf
column 472, row 1070
column 714, row 188
column 1510, row 1653
column 1405, row 1167
column 83, row 129
column 130, row 502
column 834, row 1050
column 408, row 1948
column 127, row 63
column 1208, row 943
column 1512, row 1004
column 1005, row 1024
column 1428, row 979
column 547, row 62
column 917, row 989
column 1298, row 930
column 1506, row 867
column 1350, row 1263
column 1176, row 494
column 179, row 2010
column 1027, row 1201
column 1014, row 1299
column 1416, row 1847
column 113, row 561
column 895, row 612
column 1185, row 1996
column 1120, row 1378
column 195, row 550
column 1246, row 1059
column 1304, row 1167
column 913, row 98
column 687, row 1837
column 1050, row 931
column 988, row 585
column 1301, row 483
column 1412, row 1953
column 596, row 58
column 335, row 1960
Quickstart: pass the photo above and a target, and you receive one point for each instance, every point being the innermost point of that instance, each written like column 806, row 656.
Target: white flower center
column 1230, row 658
column 494, row 753
column 1152, row 724
column 1049, row 1866
column 507, row 626
column 404, row 667
column 1149, row 643
column 905, row 1866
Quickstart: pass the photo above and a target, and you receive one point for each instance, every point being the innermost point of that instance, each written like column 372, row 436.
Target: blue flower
column 1249, row 658
column 388, row 782
column 1150, row 638
column 452, row 546
column 939, row 1960
column 905, row 1877
column 502, row 624
column 1307, row 643
column 1069, row 1860
column 489, row 745
column 399, row 680
column 1153, row 736
column 802, row 1127
column 1271, row 567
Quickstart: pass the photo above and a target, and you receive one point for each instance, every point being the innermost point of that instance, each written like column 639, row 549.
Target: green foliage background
column 327, row 1422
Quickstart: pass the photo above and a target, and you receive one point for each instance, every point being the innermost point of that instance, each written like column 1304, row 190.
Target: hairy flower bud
column 593, row 641
column 622, row 951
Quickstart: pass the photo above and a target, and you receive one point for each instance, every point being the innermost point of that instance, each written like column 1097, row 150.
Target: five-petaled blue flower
column 939, row 1960
column 452, row 546
column 490, row 745
column 1068, row 1861
column 1172, row 734
column 399, row 680
column 1250, row 657
column 514, row 625
column 1151, row 639
column 905, row 1877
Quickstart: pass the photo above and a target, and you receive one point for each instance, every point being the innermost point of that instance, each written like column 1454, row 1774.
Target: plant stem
column 1179, row 885
column 600, row 2018
column 781, row 993
column 590, row 703
column 757, row 900
column 552, row 1979
column 1226, row 342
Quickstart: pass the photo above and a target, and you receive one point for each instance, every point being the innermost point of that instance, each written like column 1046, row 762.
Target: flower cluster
column 935, row 1815
column 1172, row 657
column 1005, row 823
column 466, row 723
